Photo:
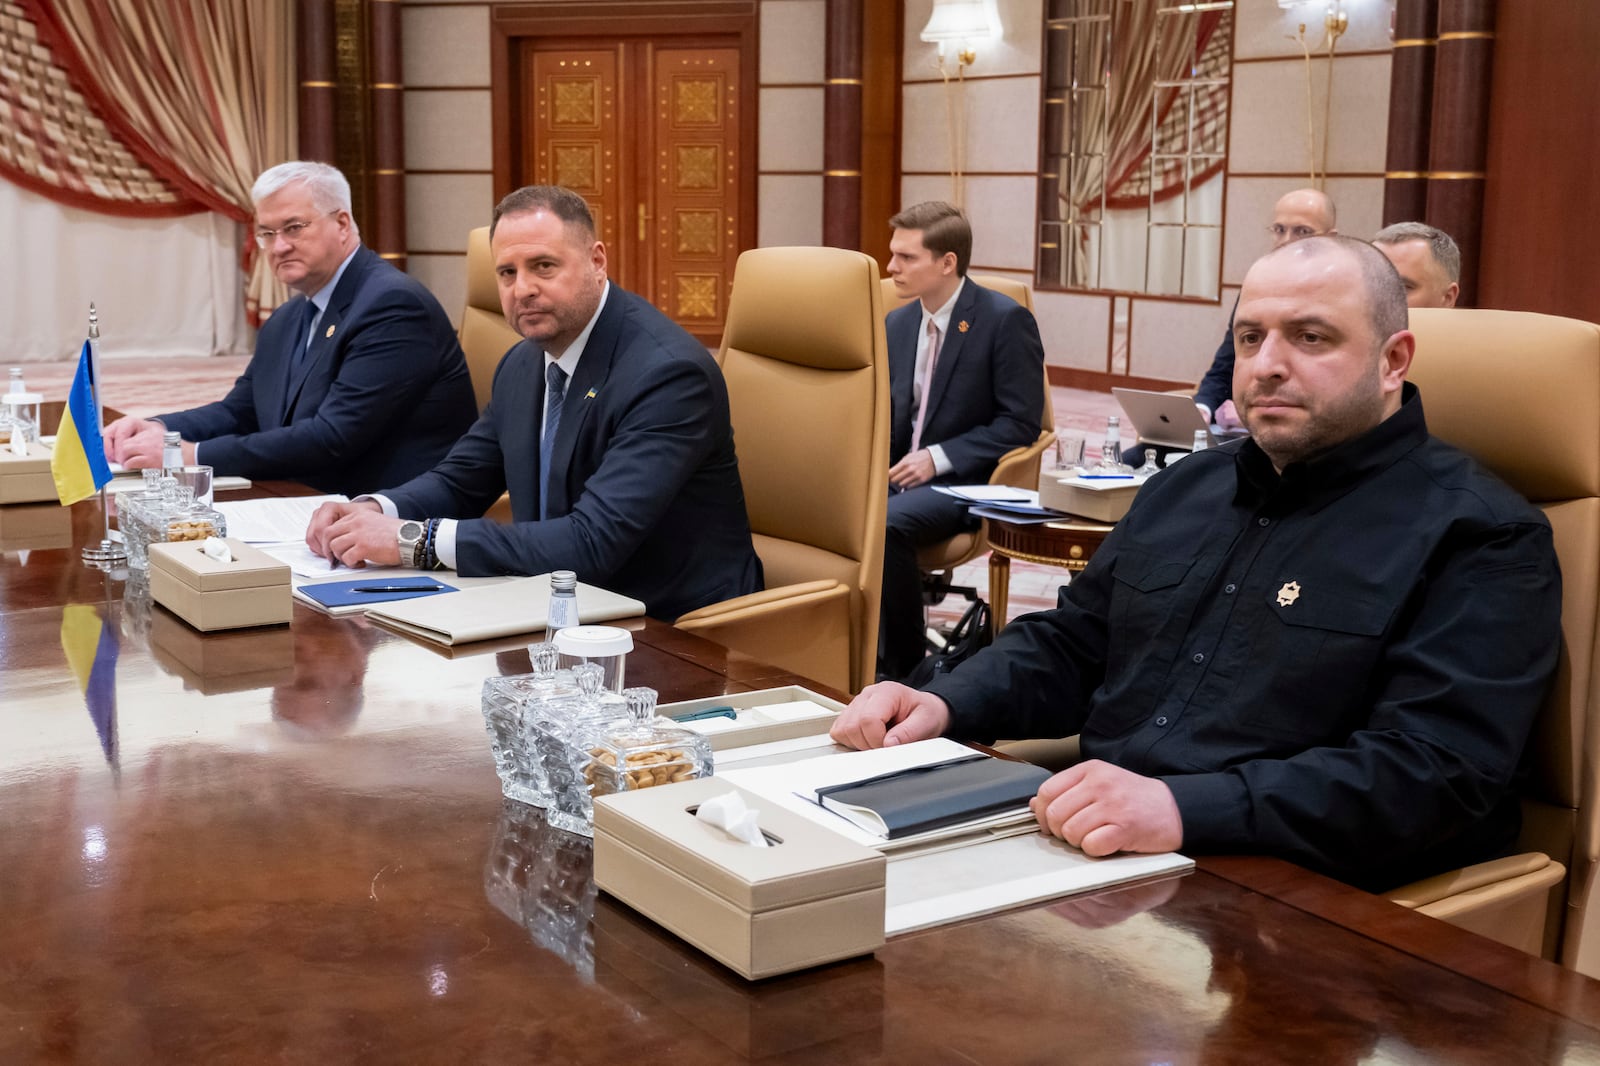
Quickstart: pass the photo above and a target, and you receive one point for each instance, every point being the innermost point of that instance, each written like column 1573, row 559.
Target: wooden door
column 647, row 130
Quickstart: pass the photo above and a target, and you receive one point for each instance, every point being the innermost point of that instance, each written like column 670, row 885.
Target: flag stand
column 108, row 554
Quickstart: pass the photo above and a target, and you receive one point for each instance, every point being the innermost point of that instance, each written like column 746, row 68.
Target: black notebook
column 924, row 798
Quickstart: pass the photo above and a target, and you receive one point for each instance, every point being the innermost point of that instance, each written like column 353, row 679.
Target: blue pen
column 1105, row 477
column 709, row 712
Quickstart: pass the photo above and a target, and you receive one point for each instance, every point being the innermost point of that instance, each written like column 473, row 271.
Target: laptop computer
column 1168, row 420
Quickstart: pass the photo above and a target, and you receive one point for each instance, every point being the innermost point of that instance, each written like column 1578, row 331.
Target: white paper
column 273, row 519
column 304, row 563
column 990, row 493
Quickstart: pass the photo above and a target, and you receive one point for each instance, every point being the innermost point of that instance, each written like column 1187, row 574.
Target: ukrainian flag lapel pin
column 589, row 395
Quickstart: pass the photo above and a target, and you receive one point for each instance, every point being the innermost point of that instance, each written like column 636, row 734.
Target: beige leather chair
column 808, row 380
column 1018, row 468
column 1521, row 392
column 485, row 335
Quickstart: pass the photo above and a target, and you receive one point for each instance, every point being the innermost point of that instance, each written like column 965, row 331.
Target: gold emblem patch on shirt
column 1289, row 593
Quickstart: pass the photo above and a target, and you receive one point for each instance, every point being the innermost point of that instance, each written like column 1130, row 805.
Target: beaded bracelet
column 430, row 559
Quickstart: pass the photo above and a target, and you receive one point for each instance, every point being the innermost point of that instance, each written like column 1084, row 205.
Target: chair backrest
column 808, row 381
column 1521, row 393
column 485, row 335
column 1019, row 291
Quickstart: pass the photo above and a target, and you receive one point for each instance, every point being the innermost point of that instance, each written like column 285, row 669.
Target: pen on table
column 1105, row 477
column 402, row 588
column 709, row 712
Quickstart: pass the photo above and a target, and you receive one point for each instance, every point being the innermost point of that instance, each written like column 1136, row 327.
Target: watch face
column 410, row 531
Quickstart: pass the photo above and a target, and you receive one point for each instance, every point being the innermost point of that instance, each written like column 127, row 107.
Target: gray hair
column 1440, row 243
column 329, row 190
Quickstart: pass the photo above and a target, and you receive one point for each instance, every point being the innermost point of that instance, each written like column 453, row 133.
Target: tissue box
column 754, row 724
column 27, row 480
column 252, row 590
column 1104, row 501
column 26, row 526
column 813, row 897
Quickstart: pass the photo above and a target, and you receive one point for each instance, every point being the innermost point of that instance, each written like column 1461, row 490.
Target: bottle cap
column 594, row 642
column 563, row 580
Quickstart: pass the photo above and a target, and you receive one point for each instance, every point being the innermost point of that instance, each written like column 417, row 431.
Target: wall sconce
column 962, row 23
column 1334, row 22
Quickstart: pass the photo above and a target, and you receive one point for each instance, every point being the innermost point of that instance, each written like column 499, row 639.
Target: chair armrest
column 804, row 628
column 1421, row 895
column 1514, row 900
column 1019, row 467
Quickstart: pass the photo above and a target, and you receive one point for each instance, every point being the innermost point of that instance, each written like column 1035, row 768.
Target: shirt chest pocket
column 1320, row 655
column 1148, row 589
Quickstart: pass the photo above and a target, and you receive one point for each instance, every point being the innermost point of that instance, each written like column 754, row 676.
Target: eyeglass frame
column 290, row 232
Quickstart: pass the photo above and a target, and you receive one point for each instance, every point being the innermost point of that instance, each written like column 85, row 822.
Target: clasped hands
column 1099, row 808
column 354, row 534
column 137, row 443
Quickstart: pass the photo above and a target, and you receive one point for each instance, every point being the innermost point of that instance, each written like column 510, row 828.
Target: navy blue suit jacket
column 1216, row 388
column 645, row 497
column 381, row 395
column 988, row 386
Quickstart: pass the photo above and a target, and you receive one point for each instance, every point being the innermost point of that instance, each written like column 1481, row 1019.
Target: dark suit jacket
column 645, row 497
column 379, row 400
column 988, row 387
column 1216, row 388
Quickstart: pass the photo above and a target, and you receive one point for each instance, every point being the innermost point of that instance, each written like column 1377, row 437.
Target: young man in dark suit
column 608, row 425
column 966, row 379
column 356, row 381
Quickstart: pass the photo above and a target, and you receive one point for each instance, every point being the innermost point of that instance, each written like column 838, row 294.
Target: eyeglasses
column 290, row 233
column 1299, row 233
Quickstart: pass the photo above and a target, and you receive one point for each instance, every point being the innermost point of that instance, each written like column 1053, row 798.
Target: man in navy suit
column 966, row 381
column 357, row 381
column 608, row 425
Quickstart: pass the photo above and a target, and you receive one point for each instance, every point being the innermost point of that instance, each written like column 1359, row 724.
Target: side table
column 1068, row 543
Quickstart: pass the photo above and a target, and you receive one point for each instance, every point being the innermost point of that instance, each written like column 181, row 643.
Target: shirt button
column 1162, row 720
column 1230, row 589
column 1199, row 657
column 1263, row 521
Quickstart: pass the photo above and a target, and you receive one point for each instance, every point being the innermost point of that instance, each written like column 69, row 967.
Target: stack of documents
column 505, row 609
column 1002, row 502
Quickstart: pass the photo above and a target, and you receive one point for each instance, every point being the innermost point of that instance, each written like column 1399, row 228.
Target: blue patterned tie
column 555, row 392
column 307, row 320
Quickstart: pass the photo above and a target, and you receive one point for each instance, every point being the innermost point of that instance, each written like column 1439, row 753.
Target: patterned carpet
column 146, row 386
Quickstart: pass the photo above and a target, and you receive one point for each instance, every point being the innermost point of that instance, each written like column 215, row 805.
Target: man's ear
column 1394, row 362
column 1451, row 294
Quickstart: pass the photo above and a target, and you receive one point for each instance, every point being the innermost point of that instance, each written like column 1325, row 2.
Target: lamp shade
column 958, row 20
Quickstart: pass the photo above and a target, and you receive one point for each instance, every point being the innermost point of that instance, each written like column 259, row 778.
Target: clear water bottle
column 563, row 609
column 16, row 386
column 1111, row 448
column 172, row 451
column 1202, row 441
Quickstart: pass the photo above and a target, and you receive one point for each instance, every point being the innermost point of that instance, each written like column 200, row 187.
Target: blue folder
column 344, row 594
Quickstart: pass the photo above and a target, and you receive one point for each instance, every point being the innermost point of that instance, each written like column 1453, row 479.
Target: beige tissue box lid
column 26, row 480
column 810, row 864
column 189, row 564
column 1087, row 499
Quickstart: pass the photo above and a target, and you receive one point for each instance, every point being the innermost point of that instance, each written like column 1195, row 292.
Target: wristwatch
column 411, row 544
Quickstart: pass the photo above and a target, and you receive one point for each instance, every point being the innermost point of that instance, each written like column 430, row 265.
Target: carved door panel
column 648, row 132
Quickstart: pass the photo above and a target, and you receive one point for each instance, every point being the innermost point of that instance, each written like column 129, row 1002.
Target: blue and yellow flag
column 91, row 649
column 79, row 463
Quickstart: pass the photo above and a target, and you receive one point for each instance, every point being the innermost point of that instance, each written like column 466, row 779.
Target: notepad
column 924, row 798
column 332, row 594
column 502, row 610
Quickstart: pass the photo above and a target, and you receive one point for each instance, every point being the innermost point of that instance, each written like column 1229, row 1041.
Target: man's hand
column 134, row 442
column 354, row 534
column 1228, row 416
column 1103, row 809
column 915, row 469
column 914, row 715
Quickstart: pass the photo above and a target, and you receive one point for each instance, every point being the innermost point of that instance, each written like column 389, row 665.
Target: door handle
column 644, row 216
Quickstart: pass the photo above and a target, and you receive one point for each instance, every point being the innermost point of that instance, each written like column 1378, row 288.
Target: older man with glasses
column 356, row 381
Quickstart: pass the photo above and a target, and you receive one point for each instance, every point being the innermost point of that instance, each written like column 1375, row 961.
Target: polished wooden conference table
column 289, row 845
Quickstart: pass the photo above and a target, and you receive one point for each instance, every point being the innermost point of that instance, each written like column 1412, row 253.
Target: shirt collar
column 324, row 295
column 1318, row 481
column 942, row 316
column 569, row 358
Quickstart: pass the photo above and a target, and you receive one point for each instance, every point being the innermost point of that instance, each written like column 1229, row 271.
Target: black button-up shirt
column 1340, row 665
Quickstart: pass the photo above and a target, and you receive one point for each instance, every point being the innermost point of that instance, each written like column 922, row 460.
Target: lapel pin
column 330, row 331
column 1289, row 593
column 589, row 395
column 962, row 326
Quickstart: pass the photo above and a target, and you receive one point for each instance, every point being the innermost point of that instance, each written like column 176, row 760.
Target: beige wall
column 450, row 147
column 1267, row 157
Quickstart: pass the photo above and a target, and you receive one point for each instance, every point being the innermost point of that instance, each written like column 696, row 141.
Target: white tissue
column 728, row 813
column 216, row 548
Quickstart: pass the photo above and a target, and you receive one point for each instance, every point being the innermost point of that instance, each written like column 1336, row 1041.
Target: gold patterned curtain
column 203, row 91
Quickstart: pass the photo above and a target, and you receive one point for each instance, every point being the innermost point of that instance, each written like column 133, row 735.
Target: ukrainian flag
column 79, row 463
column 91, row 649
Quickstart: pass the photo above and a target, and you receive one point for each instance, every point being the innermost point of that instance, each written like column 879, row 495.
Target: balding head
column 1301, row 214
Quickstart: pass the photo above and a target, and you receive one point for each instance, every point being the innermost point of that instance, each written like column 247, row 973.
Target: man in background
column 357, row 380
column 1427, row 259
column 608, row 424
column 966, row 385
